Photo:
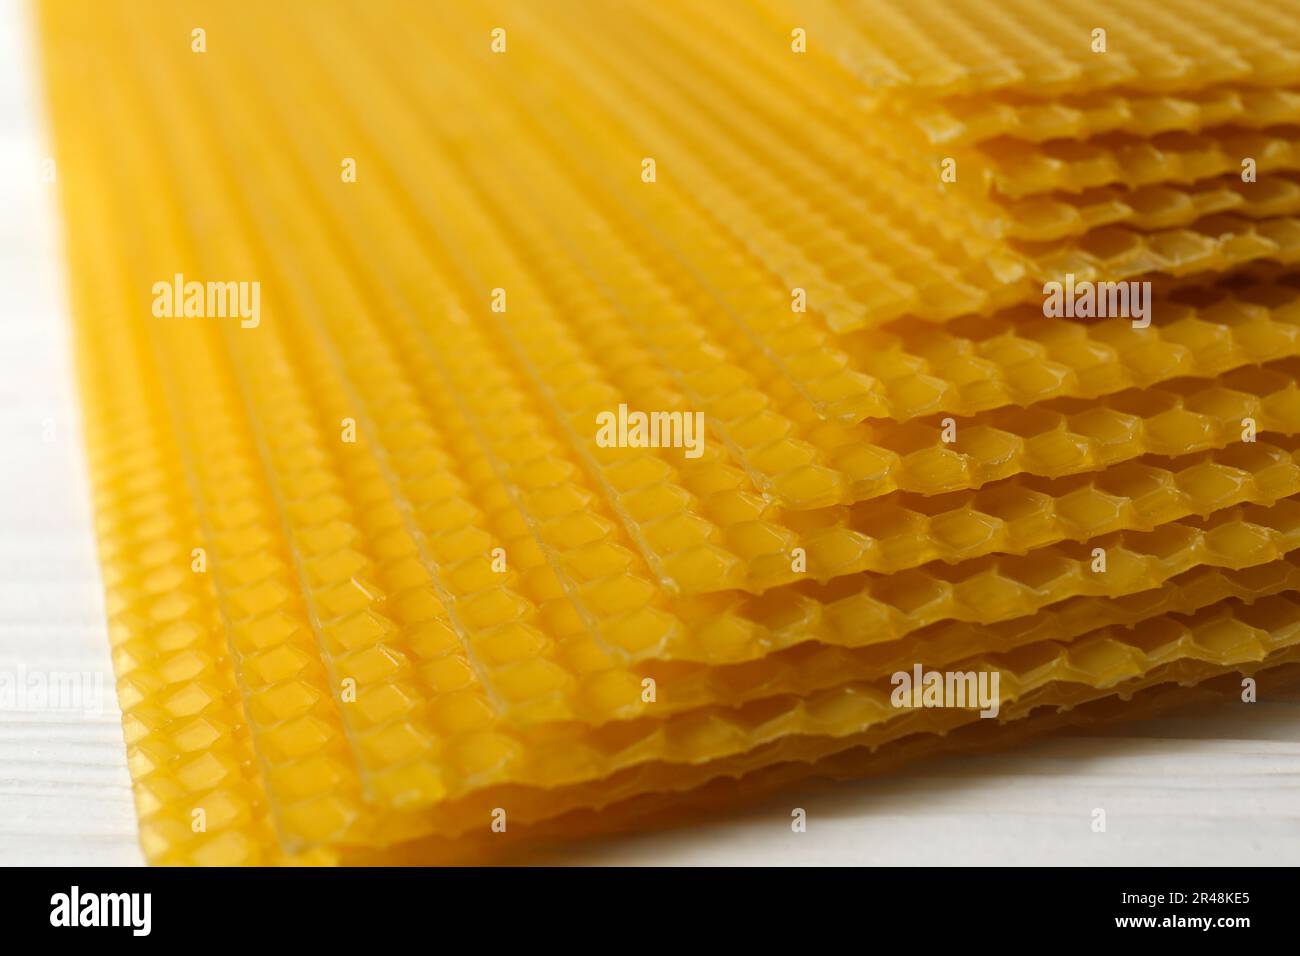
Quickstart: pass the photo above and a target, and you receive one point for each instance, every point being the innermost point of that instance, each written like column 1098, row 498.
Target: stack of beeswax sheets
column 512, row 422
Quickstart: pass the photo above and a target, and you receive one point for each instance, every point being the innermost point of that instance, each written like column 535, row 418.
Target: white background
column 1214, row 788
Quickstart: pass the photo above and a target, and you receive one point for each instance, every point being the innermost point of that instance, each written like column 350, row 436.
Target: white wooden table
column 1220, row 788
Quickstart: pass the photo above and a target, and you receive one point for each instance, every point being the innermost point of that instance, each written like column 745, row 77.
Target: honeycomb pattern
column 623, row 464
column 967, row 48
column 942, row 279
column 1256, row 638
column 553, row 665
column 187, row 742
column 189, row 747
column 1087, row 115
column 793, row 343
column 723, row 794
column 1021, row 357
column 1017, row 170
column 812, row 666
column 789, row 453
column 1148, row 208
column 577, row 373
column 873, row 609
column 428, row 587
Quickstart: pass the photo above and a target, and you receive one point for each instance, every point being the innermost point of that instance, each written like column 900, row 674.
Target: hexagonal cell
column 1241, row 543
column 1264, row 578
column 1254, row 457
column 653, row 502
column 810, row 486
column 1227, row 404
column 966, row 532
column 1011, row 502
column 1226, row 639
column 490, row 607
column 190, row 698
column 386, row 702
column 866, row 465
column 284, row 700
column 1212, row 486
column 1036, row 570
column 1179, row 431
column 204, row 772
column 1134, row 481
column 1031, row 421
column 1284, row 516
column 1059, row 453
column 999, row 597
column 553, row 501
column 922, row 394
column 1105, row 661
column 1269, row 614
column 910, row 591
column 299, row 737
column 1091, row 510
column 837, row 551
column 939, row 467
column 1108, row 426
column 534, row 682
column 278, row 663
column 1164, row 542
column 637, row 471
column 1111, row 244
column 1258, row 379
column 576, row 530
column 1197, row 334
column 642, row 632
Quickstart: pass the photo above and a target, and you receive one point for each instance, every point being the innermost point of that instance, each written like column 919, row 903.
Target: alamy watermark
column 960, row 689
column 71, row 692
column 218, row 300
column 1086, row 299
column 133, row 911
column 629, row 429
